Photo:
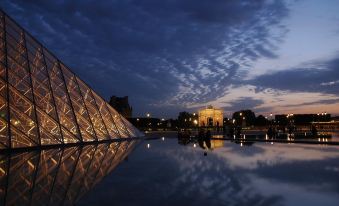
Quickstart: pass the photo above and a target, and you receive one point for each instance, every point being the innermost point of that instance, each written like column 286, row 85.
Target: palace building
column 211, row 117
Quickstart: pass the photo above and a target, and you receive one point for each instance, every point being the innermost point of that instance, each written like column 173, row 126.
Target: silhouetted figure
column 179, row 134
column 208, row 137
column 270, row 132
column 204, row 139
column 238, row 132
column 314, row 131
column 290, row 129
column 201, row 138
column 188, row 134
column 231, row 131
column 201, row 134
column 208, row 134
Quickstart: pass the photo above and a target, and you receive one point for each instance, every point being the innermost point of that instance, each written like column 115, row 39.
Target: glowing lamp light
column 148, row 146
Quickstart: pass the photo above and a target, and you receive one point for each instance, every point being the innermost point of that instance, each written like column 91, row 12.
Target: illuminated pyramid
column 43, row 103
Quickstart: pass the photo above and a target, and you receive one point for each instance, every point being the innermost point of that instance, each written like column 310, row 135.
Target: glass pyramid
column 59, row 176
column 43, row 103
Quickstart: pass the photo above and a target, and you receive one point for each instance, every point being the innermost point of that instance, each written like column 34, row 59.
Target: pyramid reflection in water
column 57, row 176
column 43, row 103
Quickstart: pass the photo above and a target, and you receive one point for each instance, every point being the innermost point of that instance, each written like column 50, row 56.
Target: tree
column 261, row 121
column 246, row 117
column 185, row 120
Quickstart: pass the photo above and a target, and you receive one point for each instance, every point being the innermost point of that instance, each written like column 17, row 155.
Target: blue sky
column 174, row 55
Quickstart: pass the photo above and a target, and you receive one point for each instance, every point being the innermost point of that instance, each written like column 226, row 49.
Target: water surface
column 163, row 172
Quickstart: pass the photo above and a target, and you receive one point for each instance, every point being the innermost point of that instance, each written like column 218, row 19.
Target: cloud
column 318, row 77
column 190, row 179
column 166, row 53
column 243, row 103
column 267, row 100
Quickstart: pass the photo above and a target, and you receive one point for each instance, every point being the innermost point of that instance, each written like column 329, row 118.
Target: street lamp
column 148, row 114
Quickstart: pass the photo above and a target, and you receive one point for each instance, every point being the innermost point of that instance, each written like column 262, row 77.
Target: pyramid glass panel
column 42, row 102
column 118, row 122
column 107, row 117
column 58, row 176
column 94, row 114
column 3, row 116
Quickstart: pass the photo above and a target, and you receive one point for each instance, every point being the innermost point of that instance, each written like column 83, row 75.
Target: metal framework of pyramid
column 58, row 176
column 43, row 103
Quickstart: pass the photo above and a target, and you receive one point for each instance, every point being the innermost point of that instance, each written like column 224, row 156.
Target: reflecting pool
column 57, row 176
column 165, row 170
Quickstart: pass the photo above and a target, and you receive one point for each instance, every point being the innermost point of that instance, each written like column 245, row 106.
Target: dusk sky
column 174, row 55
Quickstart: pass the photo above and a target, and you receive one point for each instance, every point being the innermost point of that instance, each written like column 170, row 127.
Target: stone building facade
column 211, row 117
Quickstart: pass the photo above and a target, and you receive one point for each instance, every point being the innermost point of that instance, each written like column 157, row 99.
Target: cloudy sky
column 175, row 55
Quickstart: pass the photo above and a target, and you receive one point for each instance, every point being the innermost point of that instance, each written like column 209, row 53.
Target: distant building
column 153, row 124
column 301, row 119
column 211, row 117
column 121, row 105
column 327, row 126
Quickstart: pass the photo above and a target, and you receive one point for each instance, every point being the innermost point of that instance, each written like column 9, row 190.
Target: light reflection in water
column 255, row 174
column 57, row 176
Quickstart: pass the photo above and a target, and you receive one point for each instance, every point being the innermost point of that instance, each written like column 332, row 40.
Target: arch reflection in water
column 57, row 176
